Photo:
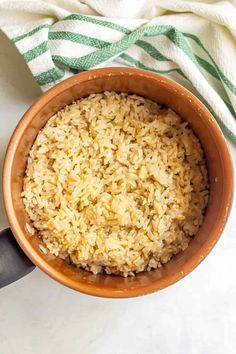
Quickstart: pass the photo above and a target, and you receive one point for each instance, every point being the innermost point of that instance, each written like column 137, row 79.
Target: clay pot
column 163, row 91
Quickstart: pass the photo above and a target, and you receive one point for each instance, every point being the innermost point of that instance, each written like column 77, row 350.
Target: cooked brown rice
column 116, row 183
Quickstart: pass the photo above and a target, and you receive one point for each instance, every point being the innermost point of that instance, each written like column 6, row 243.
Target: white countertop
column 197, row 315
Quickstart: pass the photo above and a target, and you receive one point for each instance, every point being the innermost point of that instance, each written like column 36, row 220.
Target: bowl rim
column 86, row 288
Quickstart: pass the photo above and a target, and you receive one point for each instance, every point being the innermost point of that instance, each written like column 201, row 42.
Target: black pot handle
column 14, row 264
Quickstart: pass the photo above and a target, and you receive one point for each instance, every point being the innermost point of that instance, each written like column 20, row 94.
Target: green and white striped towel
column 192, row 42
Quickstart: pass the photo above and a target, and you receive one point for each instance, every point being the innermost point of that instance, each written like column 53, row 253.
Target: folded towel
column 192, row 42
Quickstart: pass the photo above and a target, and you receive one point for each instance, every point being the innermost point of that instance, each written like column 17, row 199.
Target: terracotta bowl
column 163, row 91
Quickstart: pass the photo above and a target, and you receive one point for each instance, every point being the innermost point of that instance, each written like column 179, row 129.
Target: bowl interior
column 164, row 92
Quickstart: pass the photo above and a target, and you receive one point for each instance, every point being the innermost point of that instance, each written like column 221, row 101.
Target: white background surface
column 39, row 316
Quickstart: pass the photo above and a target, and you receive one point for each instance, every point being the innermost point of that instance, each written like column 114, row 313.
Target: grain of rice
column 29, row 229
column 43, row 249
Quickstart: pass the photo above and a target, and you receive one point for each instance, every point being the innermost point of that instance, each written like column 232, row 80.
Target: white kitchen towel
column 192, row 42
